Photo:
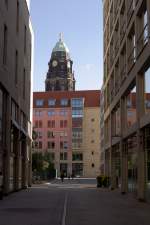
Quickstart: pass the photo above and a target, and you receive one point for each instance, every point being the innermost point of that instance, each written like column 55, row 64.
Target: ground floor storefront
column 128, row 164
column 15, row 145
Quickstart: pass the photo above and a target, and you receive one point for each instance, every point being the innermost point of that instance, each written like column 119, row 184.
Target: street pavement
column 74, row 202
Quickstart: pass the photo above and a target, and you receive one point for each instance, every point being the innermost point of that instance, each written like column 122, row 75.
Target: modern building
column 127, row 95
column 15, row 94
column 102, row 150
column 67, row 126
column 67, row 121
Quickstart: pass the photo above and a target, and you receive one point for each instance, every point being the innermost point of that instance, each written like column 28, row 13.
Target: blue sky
column 81, row 22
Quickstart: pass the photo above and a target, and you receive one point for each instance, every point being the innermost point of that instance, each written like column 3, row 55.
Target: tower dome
column 60, row 46
column 60, row 75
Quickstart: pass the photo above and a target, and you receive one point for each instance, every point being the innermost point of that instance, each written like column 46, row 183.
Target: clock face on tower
column 54, row 63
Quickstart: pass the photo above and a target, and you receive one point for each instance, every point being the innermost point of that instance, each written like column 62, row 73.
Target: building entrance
column 63, row 168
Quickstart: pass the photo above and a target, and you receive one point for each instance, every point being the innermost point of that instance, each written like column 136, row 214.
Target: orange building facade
column 67, row 126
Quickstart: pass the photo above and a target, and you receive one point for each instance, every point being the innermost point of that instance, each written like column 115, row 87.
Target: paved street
column 75, row 202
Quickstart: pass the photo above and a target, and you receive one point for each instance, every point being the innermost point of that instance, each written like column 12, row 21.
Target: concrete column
column 24, row 164
column 30, row 165
column 16, row 146
column 8, row 145
column 113, row 169
column 124, row 168
column 140, row 138
column 123, row 148
column 141, row 167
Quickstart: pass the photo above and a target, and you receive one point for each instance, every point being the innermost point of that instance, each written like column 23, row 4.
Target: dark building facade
column 15, row 94
column 127, row 95
column 60, row 76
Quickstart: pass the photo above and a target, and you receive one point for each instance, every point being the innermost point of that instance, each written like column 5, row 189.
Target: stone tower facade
column 60, row 76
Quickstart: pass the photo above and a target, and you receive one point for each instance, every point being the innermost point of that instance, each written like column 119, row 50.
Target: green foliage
column 42, row 165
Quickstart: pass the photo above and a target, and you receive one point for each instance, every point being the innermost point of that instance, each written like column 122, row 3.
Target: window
column 63, row 113
column 38, row 113
column 147, row 104
column 1, row 116
column 92, row 141
column 77, row 102
column 129, row 103
column 40, row 144
column 6, row 3
column 51, row 123
column 51, row 113
column 92, row 120
column 51, row 102
column 63, row 123
column 76, row 145
column 16, row 67
column 64, row 102
column 40, row 124
column 77, row 113
column 63, row 145
column 24, row 83
column 77, row 156
column 63, row 134
column 93, row 165
column 130, row 113
column 25, row 39
column 17, row 17
column 5, row 45
column 52, row 156
column 63, row 156
column 50, row 134
column 14, row 111
column 76, row 133
column 39, row 134
column 51, row 144
column 39, row 102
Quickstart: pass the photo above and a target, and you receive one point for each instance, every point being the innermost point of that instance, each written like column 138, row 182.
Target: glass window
column 147, row 90
column 64, row 102
column 63, row 113
column 1, row 114
column 64, row 145
column 51, row 102
column 50, row 134
column 38, row 113
column 77, row 102
column 51, row 144
column 39, row 102
column 51, row 123
column 77, row 113
column 77, row 156
column 63, row 156
column 51, row 113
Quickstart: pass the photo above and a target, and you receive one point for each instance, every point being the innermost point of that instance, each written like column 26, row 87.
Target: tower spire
column 61, row 37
